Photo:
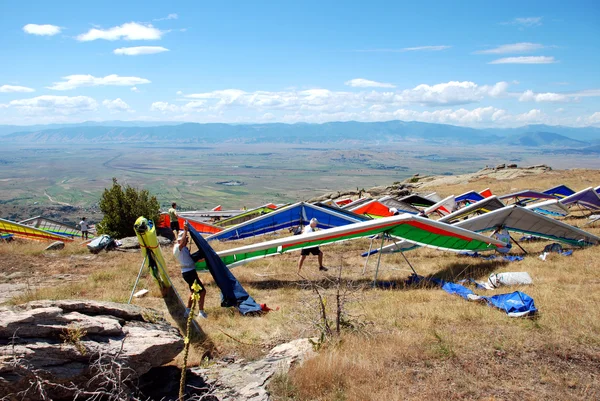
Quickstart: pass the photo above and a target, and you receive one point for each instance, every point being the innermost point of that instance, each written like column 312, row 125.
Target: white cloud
column 525, row 60
column 426, row 48
column 14, row 88
column 134, row 89
column 594, row 118
column 168, row 17
column 139, row 50
column 525, row 22
column 523, row 47
column 116, row 105
column 559, row 110
column 164, row 107
column 529, row 96
column 128, row 31
column 451, row 93
column 180, row 93
column 54, row 104
column 42, row 30
column 406, row 49
column 76, row 81
column 366, row 83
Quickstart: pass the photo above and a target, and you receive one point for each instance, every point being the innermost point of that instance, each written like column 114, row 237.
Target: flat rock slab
column 60, row 341
column 248, row 380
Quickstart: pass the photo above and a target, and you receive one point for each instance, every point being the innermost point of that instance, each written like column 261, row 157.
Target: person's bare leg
column 300, row 262
column 201, row 300
column 189, row 303
column 320, row 259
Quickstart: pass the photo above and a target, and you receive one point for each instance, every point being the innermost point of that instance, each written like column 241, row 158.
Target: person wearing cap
column 188, row 270
column 393, row 211
column 174, row 218
column 312, row 227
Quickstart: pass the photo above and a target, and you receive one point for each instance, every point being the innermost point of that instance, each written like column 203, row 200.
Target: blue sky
column 479, row 63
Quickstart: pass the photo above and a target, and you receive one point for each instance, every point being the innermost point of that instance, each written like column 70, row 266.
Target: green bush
column 121, row 206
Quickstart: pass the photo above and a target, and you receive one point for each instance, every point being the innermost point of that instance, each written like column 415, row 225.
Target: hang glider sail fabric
column 233, row 294
column 298, row 214
column 52, row 226
column 402, row 207
column 483, row 206
column 372, row 208
column 336, row 209
column 486, row 193
column 418, row 200
column 244, row 216
column 201, row 215
column 164, row 221
column 421, row 231
column 519, row 219
column 470, row 197
column 587, row 198
column 28, row 232
column 443, row 207
column 561, row 191
column 551, row 207
column 526, row 196
column 356, row 203
column 525, row 221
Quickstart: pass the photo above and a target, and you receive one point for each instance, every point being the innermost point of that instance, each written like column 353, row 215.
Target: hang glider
column 587, row 198
column 164, row 221
column 298, row 214
column 373, row 208
column 483, row 206
column 335, row 209
column 551, row 207
column 28, row 232
column 470, row 197
column 342, row 202
column 5, row 237
column 402, row 207
column 443, row 207
column 53, row 226
column 201, row 215
column 356, row 203
column 434, row 197
column 421, row 231
column 518, row 219
column 526, row 196
column 486, row 193
column 561, row 191
column 418, row 200
column 245, row 216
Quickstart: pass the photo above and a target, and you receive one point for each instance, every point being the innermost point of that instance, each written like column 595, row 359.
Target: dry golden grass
column 420, row 343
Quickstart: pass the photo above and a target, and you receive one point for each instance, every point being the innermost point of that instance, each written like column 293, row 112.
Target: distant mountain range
column 335, row 132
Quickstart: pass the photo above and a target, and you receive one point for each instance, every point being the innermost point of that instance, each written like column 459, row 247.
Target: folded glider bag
column 233, row 294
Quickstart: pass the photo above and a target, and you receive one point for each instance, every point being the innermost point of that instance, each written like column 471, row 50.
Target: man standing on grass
column 188, row 270
column 312, row 227
column 174, row 218
column 83, row 225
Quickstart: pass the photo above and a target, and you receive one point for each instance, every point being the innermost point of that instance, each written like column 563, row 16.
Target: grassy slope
column 417, row 343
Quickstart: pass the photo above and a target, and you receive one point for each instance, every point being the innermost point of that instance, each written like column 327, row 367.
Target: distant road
column 53, row 201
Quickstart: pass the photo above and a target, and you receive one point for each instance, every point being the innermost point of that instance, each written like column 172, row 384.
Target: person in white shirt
column 188, row 270
column 312, row 227
column 83, row 225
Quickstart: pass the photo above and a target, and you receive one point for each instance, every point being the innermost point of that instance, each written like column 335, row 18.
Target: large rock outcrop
column 78, row 344
column 245, row 380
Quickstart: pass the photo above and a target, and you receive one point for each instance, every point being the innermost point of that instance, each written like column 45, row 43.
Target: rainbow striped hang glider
column 53, row 226
column 28, row 232
column 419, row 230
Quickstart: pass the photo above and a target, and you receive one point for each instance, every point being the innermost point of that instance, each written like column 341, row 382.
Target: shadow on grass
column 453, row 272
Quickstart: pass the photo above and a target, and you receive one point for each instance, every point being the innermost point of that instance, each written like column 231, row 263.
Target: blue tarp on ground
column 515, row 304
column 232, row 292
column 298, row 214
